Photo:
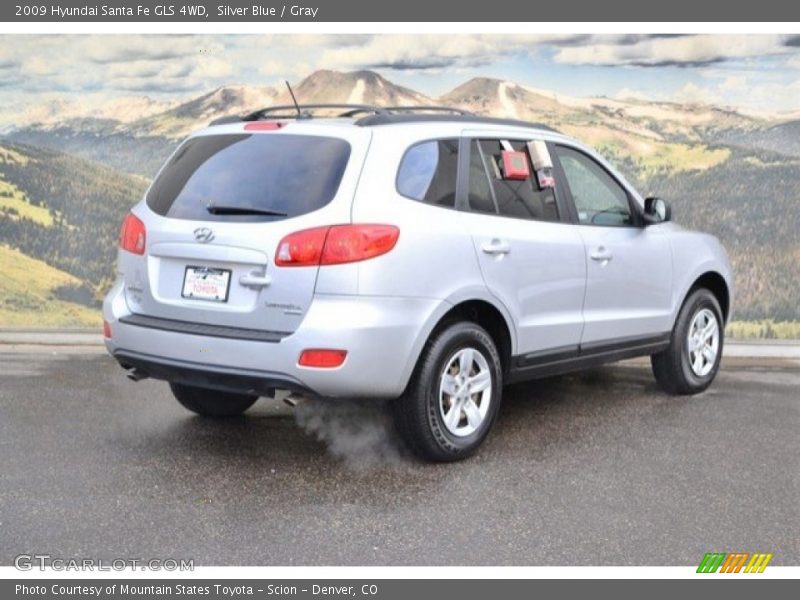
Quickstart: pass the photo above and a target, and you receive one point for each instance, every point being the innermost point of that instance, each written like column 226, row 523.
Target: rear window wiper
column 216, row 209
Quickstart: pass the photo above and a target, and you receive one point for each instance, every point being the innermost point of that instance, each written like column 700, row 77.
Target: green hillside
column 750, row 203
column 33, row 293
column 783, row 138
column 64, row 210
column 59, row 221
column 121, row 151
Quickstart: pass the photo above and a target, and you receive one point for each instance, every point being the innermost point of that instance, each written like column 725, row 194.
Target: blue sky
column 752, row 72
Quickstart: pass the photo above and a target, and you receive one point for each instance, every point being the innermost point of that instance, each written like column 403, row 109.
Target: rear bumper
column 259, row 383
column 383, row 337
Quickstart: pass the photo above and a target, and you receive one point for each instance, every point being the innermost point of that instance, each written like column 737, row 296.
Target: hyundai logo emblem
column 203, row 235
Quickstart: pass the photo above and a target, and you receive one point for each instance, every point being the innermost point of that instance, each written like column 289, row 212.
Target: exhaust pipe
column 294, row 400
column 136, row 375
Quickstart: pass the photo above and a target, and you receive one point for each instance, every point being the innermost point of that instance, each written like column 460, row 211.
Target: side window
column 491, row 193
column 428, row 172
column 598, row 198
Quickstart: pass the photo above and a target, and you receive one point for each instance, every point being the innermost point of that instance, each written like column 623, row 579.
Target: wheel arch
column 717, row 285
column 469, row 305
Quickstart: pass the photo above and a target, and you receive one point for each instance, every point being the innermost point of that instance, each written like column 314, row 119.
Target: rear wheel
column 454, row 395
column 691, row 361
column 211, row 403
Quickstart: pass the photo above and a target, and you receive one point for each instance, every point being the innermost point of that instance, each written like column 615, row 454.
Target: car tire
column 211, row 403
column 454, row 394
column 691, row 361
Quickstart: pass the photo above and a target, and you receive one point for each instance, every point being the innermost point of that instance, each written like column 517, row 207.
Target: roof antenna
column 294, row 100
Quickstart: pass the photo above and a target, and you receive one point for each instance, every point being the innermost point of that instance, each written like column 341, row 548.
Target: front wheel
column 691, row 361
column 211, row 403
column 454, row 394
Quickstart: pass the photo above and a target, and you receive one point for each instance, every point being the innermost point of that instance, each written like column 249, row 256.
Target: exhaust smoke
column 359, row 432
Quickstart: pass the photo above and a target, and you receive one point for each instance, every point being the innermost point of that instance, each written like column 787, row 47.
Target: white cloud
column 771, row 96
column 794, row 62
column 629, row 94
column 413, row 52
column 280, row 70
column 762, row 97
column 734, row 83
column 127, row 48
column 212, row 67
column 693, row 93
column 757, row 71
column 683, row 50
column 36, row 66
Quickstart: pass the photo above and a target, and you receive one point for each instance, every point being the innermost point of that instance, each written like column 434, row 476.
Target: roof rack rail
column 290, row 111
column 370, row 115
column 428, row 109
column 349, row 110
column 394, row 118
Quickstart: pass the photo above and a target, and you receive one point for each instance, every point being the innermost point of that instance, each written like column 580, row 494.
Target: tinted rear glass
column 428, row 172
column 286, row 174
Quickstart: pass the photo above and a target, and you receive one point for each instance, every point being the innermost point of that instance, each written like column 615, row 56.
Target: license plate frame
column 190, row 293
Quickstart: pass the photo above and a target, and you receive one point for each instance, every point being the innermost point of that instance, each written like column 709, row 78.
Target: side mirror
column 656, row 210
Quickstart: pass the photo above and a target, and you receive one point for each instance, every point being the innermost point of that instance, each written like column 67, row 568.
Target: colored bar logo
column 735, row 562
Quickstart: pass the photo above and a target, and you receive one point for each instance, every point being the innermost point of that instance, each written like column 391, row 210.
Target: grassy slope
column 651, row 156
column 27, row 297
column 13, row 201
column 767, row 329
column 59, row 220
column 85, row 201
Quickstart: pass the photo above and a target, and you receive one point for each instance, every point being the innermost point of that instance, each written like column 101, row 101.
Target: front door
column 629, row 266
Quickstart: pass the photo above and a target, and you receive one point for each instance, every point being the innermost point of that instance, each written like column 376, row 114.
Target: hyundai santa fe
column 427, row 256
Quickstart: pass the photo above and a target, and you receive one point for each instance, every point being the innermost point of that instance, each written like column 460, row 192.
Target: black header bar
column 442, row 11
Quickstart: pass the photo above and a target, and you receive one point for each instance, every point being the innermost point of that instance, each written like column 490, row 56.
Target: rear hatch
column 215, row 214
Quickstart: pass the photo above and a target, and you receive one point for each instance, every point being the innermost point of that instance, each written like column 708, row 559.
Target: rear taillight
column 351, row 243
column 264, row 125
column 132, row 235
column 302, row 248
column 106, row 330
column 335, row 245
column 321, row 358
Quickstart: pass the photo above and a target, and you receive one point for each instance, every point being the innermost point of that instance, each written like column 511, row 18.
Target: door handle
column 496, row 246
column 255, row 280
column 600, row 254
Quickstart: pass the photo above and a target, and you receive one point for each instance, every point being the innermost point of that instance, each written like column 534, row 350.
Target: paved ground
column 597, row 468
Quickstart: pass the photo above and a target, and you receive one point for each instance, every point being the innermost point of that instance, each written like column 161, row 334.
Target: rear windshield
column 249, row 177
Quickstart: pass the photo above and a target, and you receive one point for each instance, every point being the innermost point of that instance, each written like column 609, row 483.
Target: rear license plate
column 203, row 283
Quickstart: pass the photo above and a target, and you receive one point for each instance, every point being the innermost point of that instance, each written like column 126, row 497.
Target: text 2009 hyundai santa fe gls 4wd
column 429, row 257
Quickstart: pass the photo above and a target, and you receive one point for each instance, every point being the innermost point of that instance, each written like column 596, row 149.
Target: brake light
column 133, row 235
column 335, row 245
column 264, row 126
column 302, row 248
column 322, row 359
column 351, row 243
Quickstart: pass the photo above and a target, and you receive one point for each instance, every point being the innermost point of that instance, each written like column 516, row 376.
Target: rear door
column 530, row 258
column 629, row 276
column 217, row 211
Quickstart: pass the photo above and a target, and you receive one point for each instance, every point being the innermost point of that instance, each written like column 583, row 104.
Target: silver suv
column 428, row 256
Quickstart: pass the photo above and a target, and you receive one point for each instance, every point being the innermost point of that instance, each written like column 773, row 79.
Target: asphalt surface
column 598, row 468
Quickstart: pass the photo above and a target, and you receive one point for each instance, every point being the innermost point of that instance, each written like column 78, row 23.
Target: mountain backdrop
column 67, row 177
